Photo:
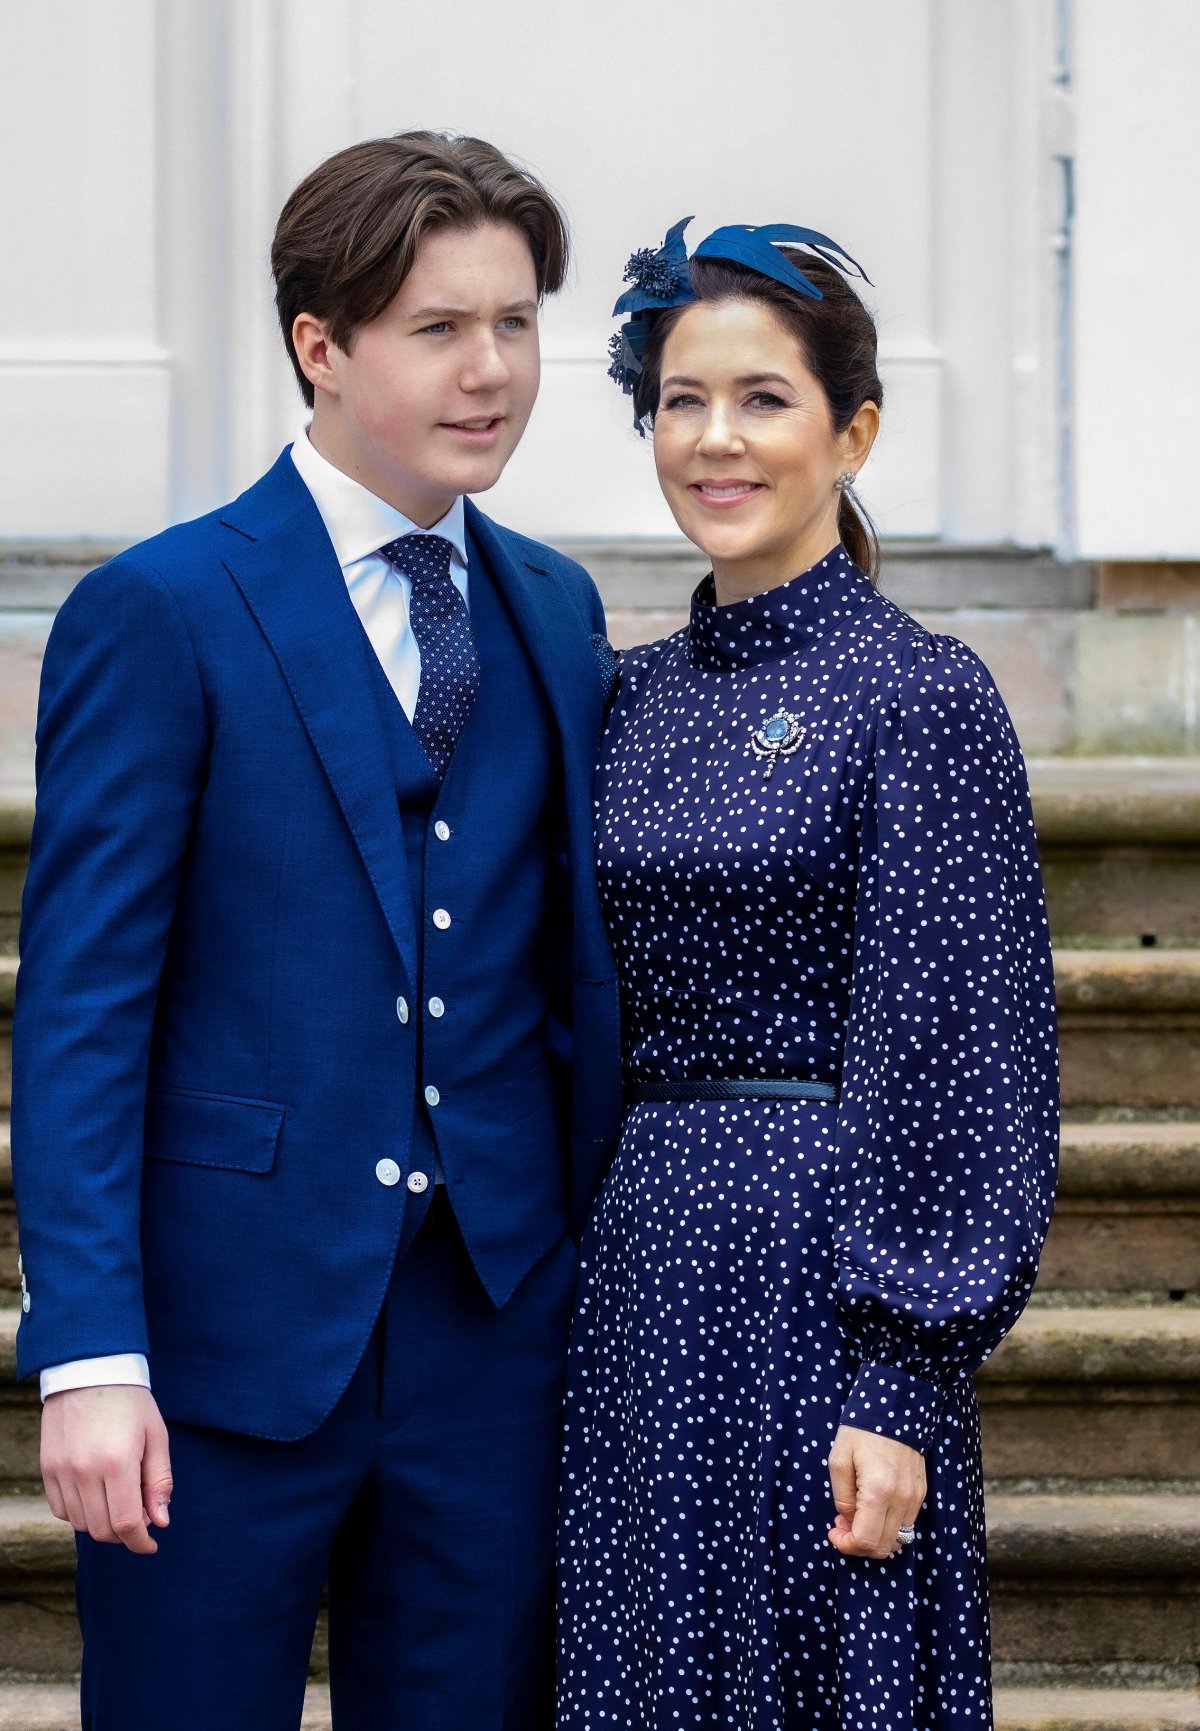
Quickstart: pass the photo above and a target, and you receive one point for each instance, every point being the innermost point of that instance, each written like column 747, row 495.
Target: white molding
column 31, row 355
column 83, row 449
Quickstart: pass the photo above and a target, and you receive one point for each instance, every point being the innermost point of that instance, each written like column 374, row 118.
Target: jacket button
column 432, row 1097
column 417, row 1182
column 388, row 1172
column 436, row 1007
column 25, row 1302
column 441, row 919
column 441, row 829
column 402, row 1009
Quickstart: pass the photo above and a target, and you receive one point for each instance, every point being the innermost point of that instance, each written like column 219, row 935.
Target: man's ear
column 313, row 346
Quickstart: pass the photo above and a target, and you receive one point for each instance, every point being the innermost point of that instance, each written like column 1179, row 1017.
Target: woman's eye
column 682, row 400
column 767, row 400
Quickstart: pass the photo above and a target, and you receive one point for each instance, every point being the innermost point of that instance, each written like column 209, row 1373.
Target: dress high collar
column 778, row 622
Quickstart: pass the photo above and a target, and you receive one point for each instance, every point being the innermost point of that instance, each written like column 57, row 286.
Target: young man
column 310, row 929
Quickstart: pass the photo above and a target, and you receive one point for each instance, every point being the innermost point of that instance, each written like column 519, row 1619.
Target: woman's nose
column 719, row 435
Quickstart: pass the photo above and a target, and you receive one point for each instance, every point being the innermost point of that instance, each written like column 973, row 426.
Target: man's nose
column 487, row 368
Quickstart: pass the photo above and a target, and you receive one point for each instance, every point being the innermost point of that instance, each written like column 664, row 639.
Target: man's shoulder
column 189, row 557
column 540, row 556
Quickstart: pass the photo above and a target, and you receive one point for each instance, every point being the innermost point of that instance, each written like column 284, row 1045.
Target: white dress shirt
column 358, row 524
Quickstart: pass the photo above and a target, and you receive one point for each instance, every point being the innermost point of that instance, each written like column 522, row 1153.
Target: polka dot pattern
column 867, row 910
column 442, row 627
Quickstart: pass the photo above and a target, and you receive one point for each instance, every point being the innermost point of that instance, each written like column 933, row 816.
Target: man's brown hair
column 349, row 234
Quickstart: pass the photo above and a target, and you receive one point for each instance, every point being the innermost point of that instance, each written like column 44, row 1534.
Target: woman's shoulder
column 636, row 665
column 915, row 669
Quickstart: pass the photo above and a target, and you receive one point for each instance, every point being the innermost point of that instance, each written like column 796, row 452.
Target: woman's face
column 745, row 449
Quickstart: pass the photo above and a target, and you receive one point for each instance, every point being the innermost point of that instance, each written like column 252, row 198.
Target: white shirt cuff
column 125, row 1369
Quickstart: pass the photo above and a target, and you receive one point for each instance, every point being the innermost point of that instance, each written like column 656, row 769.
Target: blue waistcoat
column 222, row 1035
column 485, row 850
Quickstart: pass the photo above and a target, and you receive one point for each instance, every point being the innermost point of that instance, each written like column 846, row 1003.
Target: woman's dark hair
column 836, row 337
column 350, row 232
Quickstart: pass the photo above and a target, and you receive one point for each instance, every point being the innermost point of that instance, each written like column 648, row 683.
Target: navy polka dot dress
column 851, row 896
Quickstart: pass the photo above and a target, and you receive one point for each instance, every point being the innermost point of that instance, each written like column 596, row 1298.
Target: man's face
column 433, row 395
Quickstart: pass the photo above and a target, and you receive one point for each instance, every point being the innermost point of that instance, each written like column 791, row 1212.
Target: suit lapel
column 280, row 557
column 555, row 634
column 558, row 639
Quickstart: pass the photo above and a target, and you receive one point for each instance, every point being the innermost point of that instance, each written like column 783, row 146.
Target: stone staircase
column 1091, row 1408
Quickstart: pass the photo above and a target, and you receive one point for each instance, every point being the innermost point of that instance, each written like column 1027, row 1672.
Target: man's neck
column 328, row 442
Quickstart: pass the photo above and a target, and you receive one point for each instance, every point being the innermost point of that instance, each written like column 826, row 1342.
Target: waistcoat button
column 436, row 1007
column 388, row 1172
column 402, row 1009
column 432, row 1097
column 441, row 919
column 417, row 1182
column 441, row 829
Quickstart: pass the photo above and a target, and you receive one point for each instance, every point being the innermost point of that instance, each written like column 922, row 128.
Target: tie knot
column 424, row 558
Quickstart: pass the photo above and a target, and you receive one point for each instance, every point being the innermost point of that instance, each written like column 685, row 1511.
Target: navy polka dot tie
column 442, row 626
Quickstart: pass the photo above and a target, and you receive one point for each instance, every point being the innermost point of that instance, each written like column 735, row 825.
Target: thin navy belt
column 722, row 1088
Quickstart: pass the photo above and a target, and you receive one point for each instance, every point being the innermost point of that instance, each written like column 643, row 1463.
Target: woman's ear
column 856, row 439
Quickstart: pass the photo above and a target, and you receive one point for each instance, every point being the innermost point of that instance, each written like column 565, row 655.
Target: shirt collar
column 359, row 523
column 776, row 622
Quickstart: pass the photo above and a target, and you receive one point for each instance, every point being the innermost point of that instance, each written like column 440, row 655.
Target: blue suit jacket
column 216, row 929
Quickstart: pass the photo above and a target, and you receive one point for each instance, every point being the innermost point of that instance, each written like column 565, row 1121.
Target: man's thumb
column 156, row 1479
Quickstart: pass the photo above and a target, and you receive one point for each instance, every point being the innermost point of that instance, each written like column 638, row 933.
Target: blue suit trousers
column 426, row 1502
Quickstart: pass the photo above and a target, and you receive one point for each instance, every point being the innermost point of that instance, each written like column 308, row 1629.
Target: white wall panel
column 83, row 382
column 1136, row 269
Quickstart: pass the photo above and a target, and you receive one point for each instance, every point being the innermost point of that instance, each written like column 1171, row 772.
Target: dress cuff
column 129, row 1369
column 892, row 1403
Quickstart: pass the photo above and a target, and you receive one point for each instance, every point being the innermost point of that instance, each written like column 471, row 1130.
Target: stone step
column 1098, row 1393
column 1095, row 1577
column 1094, row 1710
column 1127, row 1217
column 55, row 1707
column 1076, row 1579
column 1092, row 1393
column 39, row 1634
column 1120, row 847
column 1129, row 1027
column 1119, row 840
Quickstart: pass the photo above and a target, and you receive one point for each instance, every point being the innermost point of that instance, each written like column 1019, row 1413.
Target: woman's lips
column 724, row 495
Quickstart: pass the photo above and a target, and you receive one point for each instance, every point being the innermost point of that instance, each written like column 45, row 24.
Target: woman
column 819, row 870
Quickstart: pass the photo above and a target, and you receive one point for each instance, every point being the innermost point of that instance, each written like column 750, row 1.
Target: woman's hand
column 878, row 1487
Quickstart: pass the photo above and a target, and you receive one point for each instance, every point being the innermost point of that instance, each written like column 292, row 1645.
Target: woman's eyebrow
column 742, row 379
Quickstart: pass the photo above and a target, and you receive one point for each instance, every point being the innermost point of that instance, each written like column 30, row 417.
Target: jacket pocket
column 524, row 1095
column 218, row 1130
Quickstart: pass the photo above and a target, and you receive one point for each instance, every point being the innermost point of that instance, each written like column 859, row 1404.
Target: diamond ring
column 906, row 1535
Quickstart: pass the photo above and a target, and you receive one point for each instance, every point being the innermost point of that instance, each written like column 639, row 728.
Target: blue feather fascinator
column 662, row 279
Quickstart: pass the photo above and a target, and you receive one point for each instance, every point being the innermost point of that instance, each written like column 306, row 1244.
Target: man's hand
column 878, row 1486
column 106, row 1464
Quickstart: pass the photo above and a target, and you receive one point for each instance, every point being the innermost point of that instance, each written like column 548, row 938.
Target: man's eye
column 515, row 322
column 435, row 330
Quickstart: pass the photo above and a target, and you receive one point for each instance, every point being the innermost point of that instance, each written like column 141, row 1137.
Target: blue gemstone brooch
column 779, row 736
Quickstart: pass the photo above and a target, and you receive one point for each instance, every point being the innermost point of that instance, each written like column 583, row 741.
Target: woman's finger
column 842, row 1481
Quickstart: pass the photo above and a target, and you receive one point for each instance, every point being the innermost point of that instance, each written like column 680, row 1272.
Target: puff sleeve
column 947, row 1135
